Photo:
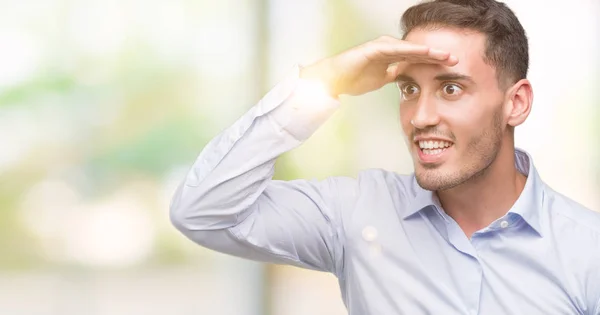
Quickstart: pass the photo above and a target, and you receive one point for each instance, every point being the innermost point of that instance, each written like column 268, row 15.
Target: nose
column 426, row 114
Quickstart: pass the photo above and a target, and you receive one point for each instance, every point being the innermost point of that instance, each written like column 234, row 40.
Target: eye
column 451, row 89
column 409, row 91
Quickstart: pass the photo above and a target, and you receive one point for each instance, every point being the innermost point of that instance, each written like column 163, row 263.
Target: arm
column 228, row 201
column 594, row 290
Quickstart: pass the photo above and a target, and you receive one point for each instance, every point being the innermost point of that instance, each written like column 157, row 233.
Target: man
column 473, row 231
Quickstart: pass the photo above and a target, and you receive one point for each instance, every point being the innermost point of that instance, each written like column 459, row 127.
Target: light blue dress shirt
column 388, row 241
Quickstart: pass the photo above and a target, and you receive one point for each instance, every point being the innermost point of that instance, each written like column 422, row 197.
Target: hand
column 370, row 66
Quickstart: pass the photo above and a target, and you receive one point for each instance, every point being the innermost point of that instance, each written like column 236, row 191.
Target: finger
column 441, row 55
column 401, row 49
column 438, row 54
column 396, row 46
column 389, row 49
column 392, row 72
column 451, row 60
column 391, row 52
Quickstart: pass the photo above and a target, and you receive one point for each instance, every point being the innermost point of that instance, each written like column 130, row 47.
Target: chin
column 435, row 179
column 428, row 184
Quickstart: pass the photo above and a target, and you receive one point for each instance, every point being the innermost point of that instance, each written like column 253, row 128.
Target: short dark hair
column 506, row 44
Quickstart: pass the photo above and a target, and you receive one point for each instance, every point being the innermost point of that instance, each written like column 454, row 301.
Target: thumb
column 392, row 72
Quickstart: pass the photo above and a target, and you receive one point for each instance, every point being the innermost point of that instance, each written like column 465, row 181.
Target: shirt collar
column 527, row 206
column 530, row 203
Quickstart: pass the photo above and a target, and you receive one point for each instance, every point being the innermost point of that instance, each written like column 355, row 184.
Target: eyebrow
column 453, row 76
column 404, row 78
column 449, row 76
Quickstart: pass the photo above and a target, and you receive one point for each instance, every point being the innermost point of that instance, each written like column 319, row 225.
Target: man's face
column 452, row 116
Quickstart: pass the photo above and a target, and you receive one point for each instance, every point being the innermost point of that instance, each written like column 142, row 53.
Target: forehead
column 468, row 46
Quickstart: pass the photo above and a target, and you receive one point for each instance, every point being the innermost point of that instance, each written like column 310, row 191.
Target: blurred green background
column 104, row 106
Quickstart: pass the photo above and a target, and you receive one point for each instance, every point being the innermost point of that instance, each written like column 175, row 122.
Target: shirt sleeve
column 596, row 291
column 592, row 278
column 230, row 203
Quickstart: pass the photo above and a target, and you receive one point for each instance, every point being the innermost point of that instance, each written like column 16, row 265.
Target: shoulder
column 574, row 234
column 570, row 214
column 380, row 180
column 574, row 231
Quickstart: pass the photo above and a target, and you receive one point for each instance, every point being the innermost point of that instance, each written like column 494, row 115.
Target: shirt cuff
column 305, row 110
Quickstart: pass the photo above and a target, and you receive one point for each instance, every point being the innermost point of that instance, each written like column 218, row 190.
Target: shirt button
column 504, row 224
column 369, row 233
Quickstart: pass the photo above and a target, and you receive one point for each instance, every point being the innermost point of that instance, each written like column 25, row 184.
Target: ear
column 520, row 99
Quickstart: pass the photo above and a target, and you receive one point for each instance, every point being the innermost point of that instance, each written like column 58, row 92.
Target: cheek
column 471, row 111
column 469, row 122
column 462, row 118
column 405, row 116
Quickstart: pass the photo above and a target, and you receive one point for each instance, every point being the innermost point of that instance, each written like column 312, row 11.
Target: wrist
column 321, row 72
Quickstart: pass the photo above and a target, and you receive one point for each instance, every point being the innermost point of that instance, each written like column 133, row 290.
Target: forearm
column 236, row 166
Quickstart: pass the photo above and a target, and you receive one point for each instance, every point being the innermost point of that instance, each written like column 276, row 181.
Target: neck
column 485, row 198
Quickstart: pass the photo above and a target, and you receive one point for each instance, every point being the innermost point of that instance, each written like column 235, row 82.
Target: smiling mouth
column 433, row 147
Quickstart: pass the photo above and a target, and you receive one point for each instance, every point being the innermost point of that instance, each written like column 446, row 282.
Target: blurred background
column 104, row 105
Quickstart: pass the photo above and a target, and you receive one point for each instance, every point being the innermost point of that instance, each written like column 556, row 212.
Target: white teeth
column 434, row 144
column 432, row 152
